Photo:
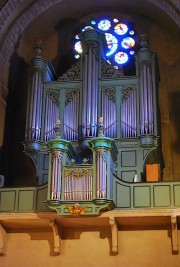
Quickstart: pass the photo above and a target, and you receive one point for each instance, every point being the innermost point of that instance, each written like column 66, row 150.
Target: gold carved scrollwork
column 76, row 210
column 78, row 173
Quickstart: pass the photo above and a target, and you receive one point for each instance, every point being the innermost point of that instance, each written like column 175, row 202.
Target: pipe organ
column 93, row 126
column 71, row 122
column 51, row 114
column 34, row 118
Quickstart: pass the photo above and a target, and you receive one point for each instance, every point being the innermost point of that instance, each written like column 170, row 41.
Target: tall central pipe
column 93, row 44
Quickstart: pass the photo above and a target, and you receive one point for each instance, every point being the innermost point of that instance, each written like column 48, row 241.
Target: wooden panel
column 142, row 196
column 152, row 172
column 7, row 200
column 45, row 162
column 26, row 200
column 128, row 158
column 41, row 197
column 44, row 178
column 123, row 196
column 128, row 176
column 176, row 195
column 162, row 196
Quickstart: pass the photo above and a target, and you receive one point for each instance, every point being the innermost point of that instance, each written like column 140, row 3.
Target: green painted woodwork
column 162, row 195
column 122, row 191
column 132, row 157
column 26, row 200
column 152, row 195
column 23, row 199
column 146, row 195
column 176, row 194
column 94, row 207
column 7, row 200
column 141, row 196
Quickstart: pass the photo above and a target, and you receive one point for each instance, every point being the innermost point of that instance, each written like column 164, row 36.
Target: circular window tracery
column 119, row 37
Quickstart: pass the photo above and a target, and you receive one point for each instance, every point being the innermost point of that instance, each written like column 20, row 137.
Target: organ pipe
column 56, row 175
column 35, row 104
column 109, row 112
column 90, row 95
column 51, row 115
column 91, row 42
column 34, row 121
column 78, row 184
column 128, row 115
column 146, row 108
column 71, row 122
column 101, row 174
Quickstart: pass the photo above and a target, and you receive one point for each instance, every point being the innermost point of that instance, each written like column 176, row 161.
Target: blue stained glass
column 78, row 47
column 93, row 22
column 77, row 56
column 112, row 43
column 132, row 52
column 87, row 28
column 104, row 25
column 116, row 41
column 128, row 42
column 120, row 29
column 115, row 20
column 121, row 58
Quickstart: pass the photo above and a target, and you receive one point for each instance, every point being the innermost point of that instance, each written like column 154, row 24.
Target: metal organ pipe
column 56, row 176
column 78, row 185
column 128, row 115
column 150, row 102
column 51, row 116
column 134, row 112
column 71, row 121
column 34, row 119
column 146, row 108
column 34, row 107
column 84, row 101
column 101, row 173
column 109, row 115
column 90, row 93
column 94, row 98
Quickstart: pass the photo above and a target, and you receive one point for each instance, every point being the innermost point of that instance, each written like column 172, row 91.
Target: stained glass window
column 120, row 38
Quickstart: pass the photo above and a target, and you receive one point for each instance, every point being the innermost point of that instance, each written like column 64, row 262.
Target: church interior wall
column 91, row 248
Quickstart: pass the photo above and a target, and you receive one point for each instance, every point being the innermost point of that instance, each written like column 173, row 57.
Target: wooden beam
column 174, row 235
column 3, row 238
column 114, row 233
column 56, row 237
